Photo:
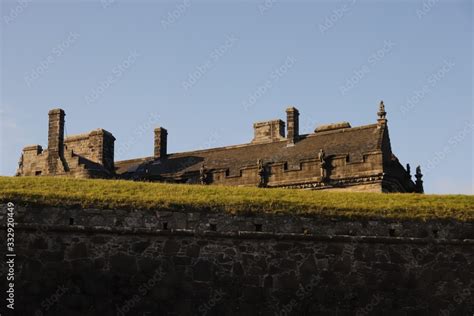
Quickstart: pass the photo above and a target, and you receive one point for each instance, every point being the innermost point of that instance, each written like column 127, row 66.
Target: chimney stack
column 269, row 131
column 55, row 138
column 292, row 124
column 161, row 142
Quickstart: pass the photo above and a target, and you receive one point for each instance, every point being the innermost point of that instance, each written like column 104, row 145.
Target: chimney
column 269, row 131
column 292, row 124
column 161, row 141
column 55, row 138
column 56, row 132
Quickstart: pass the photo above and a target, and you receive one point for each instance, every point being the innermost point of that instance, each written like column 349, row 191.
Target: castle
column 336, row 156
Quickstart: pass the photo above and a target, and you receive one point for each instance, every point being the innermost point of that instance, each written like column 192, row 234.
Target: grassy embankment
column 137, row 195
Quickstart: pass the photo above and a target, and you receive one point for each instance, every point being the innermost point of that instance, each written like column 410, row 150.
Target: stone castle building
column 336, row 156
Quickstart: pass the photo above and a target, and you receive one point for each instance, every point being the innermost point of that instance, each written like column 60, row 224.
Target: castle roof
column 350, row 142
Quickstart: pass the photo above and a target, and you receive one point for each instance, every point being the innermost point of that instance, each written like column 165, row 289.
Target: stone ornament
column 203, row 175
column 261, row 174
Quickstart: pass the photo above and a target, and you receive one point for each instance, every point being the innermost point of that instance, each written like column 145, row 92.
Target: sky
column 207, row 70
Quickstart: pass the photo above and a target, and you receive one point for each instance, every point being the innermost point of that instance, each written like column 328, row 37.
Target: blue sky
column 206, row 70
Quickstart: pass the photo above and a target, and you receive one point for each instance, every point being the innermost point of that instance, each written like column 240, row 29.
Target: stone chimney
column 292, row 124
column 161, row 142
column 270, row 131
column 55, row 138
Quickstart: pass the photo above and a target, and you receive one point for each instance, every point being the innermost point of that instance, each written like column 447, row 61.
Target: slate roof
column 353, row 142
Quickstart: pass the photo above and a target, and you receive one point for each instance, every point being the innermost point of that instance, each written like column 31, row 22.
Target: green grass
column 138, row 195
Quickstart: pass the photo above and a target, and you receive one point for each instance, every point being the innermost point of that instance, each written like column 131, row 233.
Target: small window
column 391, row 232
column 71, row 221
column 258, row 227
column 435, row 233
column 213, row 227
column 37, row 173
column 165, row 225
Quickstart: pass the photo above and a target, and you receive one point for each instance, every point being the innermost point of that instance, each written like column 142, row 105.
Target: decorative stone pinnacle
column 418, row 173
column 381, row 113
column 418, row 182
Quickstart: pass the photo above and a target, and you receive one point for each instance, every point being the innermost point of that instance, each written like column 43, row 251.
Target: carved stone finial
column 408, row 170
column 418, row 182
column 418, row 173
column 381, row 113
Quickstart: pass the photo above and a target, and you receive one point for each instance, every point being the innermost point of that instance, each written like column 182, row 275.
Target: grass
column 108, row 194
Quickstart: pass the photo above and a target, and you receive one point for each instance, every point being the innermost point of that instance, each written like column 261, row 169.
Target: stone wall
column 121, row 262
column 365, row 175
column 33, row 161
column 96, row 146
column 82, row 156
column 269, row 131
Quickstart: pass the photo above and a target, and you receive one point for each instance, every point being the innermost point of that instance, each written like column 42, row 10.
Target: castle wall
column 342, row 174
column 119, row 262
